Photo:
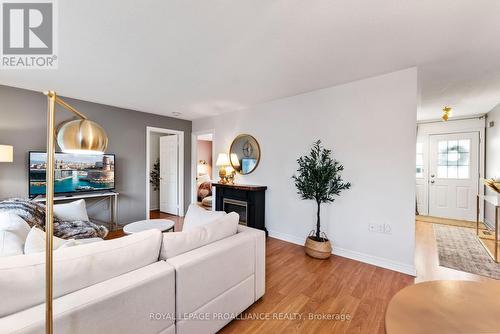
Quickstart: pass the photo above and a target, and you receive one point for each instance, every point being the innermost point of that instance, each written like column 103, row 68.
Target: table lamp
column 222, row 163
column 6, row 153
column 80, row 136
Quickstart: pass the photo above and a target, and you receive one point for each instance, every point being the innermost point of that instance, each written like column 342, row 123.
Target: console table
column 249, row 201
column 110, row 196
column 488, row 236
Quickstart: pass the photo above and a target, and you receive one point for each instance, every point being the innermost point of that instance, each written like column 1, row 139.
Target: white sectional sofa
column 193, row 281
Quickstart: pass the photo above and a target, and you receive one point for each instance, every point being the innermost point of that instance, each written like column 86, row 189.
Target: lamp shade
column 6, row 153
column 235, row 162
column 222, row 160
column 82, row 136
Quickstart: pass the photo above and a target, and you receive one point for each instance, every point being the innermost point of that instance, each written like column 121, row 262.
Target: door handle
column 432, row 175
column 432, row 181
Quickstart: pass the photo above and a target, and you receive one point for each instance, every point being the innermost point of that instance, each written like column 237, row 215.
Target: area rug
column 459, row 248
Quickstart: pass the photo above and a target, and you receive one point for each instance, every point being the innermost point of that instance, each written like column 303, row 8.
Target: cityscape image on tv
column 73, row 173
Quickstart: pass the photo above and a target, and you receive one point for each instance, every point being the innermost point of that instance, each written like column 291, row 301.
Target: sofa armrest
column 123, row 304
column 207, row 272
column 259, row 237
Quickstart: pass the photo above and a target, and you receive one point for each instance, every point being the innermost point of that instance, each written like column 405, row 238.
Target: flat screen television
column 73, row 173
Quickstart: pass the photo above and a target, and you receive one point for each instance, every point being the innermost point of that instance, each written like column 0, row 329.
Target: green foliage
column 319, row 178
column 154, row 176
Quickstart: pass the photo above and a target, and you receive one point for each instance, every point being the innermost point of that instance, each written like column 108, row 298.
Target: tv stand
column 110, row 196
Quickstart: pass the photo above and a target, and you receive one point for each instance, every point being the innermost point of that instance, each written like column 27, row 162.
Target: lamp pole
column 84, row 136
column 49, row 211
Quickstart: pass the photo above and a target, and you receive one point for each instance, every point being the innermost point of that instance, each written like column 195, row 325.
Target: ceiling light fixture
column 447, row 113
column 176, row 113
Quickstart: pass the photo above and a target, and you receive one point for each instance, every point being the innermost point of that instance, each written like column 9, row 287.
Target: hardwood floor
column 157, row 214
column 298, row 284
column 298, row 287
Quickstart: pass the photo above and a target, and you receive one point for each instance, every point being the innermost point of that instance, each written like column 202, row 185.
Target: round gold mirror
column 244, row 154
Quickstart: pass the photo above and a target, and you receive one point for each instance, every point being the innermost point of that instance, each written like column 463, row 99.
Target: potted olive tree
column 318, row 178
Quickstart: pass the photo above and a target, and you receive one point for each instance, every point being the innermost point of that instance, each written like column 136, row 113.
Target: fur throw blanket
column 34, row 214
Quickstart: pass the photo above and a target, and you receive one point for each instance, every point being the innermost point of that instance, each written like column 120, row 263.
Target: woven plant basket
column 318, row 249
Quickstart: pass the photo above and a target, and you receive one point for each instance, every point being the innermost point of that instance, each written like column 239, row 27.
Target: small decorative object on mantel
column 493, row 184
column 226, row 172
column 318, row 178
column 222, row 163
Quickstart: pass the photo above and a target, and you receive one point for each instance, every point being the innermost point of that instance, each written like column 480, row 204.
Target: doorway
column 453, row 175
column 164, row 173
column 450, row 161
column 202, row 167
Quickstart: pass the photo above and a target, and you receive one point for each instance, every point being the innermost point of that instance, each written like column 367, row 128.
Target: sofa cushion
column 71, row 211
column 13, row 233
column 35, row 242
column 197, row 216
column 175, row 243
column 22, row 277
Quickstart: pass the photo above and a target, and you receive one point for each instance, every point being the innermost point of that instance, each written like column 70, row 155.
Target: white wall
column 370, row 125
column 493, row 144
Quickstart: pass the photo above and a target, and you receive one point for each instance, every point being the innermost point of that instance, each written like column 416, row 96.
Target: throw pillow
column 197, row 216
column 35, row 242
column 175, row 243
column 71, row 211
column 13, row 233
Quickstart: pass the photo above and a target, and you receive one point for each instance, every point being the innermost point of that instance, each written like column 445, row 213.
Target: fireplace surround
column 247, row 200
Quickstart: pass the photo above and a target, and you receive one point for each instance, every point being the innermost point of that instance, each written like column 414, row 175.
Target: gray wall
column 493, row 143
column 23, row 116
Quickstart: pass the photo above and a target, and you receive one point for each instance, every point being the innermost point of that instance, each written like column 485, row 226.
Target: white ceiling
column 203, row 57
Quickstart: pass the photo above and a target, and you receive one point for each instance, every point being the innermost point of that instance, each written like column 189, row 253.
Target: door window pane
column 463, row 172
column 420, row 172
column 453, row 159
column 452, row 145
column 420, row 161
column 463, row 159
column 464, row 145
column 443, row 160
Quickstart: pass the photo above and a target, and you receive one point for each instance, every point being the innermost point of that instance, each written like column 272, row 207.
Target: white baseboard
column 286, row 237
column 353, row 255
column 376, row 261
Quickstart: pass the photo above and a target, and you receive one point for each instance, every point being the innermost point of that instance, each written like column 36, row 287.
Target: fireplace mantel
column 250, row 200
column 246, row 187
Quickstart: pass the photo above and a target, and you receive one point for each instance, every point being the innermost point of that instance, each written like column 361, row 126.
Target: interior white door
column 454, row 175
column 169, row 164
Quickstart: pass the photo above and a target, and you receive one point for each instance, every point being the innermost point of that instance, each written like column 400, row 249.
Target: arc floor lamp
column 80, row 136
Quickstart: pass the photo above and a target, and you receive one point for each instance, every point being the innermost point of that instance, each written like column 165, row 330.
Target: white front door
column 454, row 175
column 169, row 162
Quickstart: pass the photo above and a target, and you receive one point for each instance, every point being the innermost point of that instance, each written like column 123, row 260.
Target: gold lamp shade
column 82, row 136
